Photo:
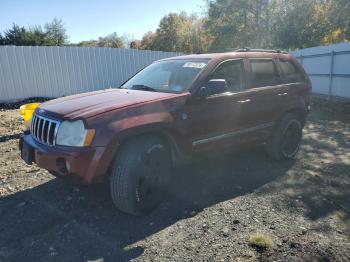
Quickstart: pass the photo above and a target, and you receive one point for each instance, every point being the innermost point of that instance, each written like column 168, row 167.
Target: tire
column 140, row 175
column 285, row 141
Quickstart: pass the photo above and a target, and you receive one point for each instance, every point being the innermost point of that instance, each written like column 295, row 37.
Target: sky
column 89, row 19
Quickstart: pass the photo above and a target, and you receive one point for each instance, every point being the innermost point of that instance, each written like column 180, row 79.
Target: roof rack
column 247, row 49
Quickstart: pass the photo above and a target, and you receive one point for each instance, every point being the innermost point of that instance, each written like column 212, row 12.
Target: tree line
column 53, row 34
column 280, row 24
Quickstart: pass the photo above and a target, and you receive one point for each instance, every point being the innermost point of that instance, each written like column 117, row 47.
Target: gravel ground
column 214, row 206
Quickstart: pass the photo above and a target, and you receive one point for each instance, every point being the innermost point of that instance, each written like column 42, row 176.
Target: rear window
column 264, row 72
column 290, row 72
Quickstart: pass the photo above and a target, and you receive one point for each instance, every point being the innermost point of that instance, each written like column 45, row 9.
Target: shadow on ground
column 9, row 137
column 59, row 222
column 321, row 182
column 82, row 224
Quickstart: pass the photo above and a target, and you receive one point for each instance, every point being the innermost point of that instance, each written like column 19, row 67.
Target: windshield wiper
column 143, row 87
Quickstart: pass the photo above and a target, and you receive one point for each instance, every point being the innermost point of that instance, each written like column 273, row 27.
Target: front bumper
column 86, row 165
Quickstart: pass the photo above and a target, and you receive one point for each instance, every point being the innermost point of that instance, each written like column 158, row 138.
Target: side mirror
column 214, row 86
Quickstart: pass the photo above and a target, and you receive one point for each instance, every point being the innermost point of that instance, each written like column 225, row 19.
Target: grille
column 44, row 129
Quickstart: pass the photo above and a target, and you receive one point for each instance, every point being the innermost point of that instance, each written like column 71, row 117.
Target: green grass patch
column 261, row 240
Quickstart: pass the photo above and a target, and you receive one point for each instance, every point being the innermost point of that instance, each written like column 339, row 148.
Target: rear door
column 296, row 84
column 260, row 107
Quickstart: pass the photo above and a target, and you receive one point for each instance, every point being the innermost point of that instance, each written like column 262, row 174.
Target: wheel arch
column 177, row 156
column 299, row 112
column 165, row 136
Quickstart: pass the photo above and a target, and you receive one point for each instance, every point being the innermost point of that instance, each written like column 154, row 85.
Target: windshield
column 166, row 76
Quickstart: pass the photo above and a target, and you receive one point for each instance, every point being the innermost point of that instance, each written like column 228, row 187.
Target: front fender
column 115, row 131
column 154, row 123
column 137, row 125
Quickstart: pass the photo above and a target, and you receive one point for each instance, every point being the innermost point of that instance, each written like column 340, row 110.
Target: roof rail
column 247, row 49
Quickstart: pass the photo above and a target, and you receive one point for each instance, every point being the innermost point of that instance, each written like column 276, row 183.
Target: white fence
column 328, row 68
column 58, row 71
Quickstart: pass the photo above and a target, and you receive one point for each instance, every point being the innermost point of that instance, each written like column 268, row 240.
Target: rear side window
column 290, row 72
column 264, row 72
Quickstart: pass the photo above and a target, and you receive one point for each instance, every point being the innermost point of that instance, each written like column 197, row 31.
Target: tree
column 147, row 41
column 199, row 38
column 286, row 24
column 16, row 36
column 37, row 37
column 56, row 32
column 339, row 12
column 127, row 39
column 88, row 43
column 300, row 24
column 20, row 36
column 2, row 39
column 179, row 33
column 238, row 23
column 112, row 40
column 172, row 31
column 135, row 44
column 293, row 25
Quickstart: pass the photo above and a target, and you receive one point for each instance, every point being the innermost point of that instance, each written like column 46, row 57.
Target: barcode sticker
column 194, row 65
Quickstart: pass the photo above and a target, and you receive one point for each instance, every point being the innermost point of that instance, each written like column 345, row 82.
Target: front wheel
column 140, row 175
column 286, row 138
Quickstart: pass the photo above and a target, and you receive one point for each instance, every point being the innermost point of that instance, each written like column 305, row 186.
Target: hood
column 93, row 103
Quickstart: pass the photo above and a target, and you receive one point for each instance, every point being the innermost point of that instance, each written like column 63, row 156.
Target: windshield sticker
column 194, row 65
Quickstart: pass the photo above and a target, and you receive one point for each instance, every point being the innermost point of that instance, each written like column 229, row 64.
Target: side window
column 233, row 73
column 264, row 72
column 290, row 72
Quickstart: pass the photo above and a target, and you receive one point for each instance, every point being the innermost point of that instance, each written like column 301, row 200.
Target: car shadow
column 320, row 185
column 56, row 221
column 64, row 222
column 6, row 138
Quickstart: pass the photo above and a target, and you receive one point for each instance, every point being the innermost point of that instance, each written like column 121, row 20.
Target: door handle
column 282, row 94
column 243, row 101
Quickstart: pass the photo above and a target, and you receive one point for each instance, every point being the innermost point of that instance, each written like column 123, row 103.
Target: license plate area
column 27, row 153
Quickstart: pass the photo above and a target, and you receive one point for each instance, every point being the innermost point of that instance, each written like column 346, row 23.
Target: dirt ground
column 214, row 206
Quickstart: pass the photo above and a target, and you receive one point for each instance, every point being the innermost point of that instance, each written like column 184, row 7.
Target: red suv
column 167, row 113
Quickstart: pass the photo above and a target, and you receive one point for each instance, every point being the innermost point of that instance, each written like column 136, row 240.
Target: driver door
column 215, row 116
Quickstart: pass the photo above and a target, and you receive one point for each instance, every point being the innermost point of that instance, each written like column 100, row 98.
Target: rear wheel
column 286, row 139
column 140, row 175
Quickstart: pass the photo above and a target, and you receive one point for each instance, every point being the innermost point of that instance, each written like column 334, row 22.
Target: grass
column 261, row 240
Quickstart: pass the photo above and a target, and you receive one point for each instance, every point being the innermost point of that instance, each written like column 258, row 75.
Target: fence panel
column 59, row 71
column 328, row 68
column 33, row 71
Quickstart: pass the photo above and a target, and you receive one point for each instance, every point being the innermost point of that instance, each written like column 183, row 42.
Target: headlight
column 73, row 133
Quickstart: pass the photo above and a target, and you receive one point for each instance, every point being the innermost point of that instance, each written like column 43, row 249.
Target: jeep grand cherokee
column 167, row 113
